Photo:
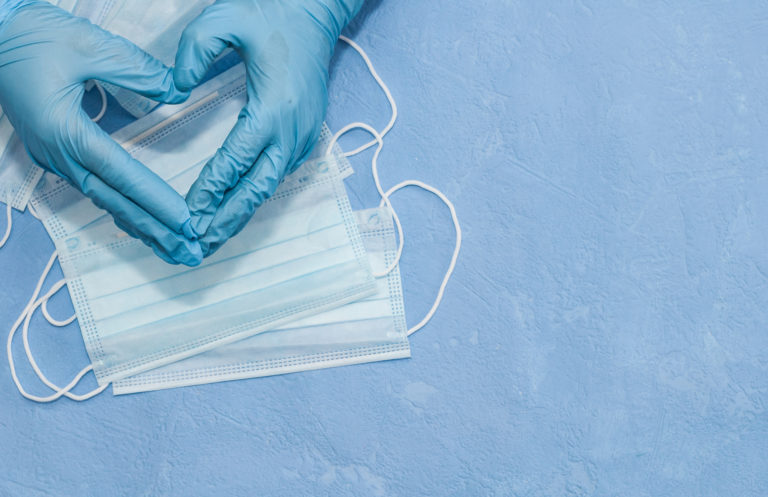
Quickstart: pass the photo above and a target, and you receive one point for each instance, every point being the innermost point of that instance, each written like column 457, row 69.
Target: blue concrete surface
column 605, row 332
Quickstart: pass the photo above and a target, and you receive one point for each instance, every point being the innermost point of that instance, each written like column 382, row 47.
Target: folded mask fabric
column 301, row 253
column 368, row 330
column 154, row 26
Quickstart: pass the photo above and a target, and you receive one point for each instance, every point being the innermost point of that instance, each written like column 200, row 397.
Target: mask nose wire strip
column 384, row 88
column 9, row 218
column 103, row 110
column 25, row 317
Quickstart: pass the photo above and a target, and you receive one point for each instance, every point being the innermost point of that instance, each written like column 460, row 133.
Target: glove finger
column 156, row 248
column 201, row 42
column 99, row 154
column 117, row 60
column 170, row 246
column 240, row 149
column 241, row 202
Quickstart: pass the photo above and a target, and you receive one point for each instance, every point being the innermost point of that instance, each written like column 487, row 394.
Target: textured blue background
column 605, row 332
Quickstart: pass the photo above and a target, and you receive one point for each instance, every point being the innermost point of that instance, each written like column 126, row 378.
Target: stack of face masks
column 293, row 291
column 369, row 329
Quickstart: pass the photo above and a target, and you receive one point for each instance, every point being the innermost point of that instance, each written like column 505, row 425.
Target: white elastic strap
column 25, row 317
column 33, row 211
column 103, row 110
column 375, row 169
column 383, row 86
column 385, row 201
column 378, row 140
column 9, row 218
column 59, row 391
column 51, row 320
column 456, row 248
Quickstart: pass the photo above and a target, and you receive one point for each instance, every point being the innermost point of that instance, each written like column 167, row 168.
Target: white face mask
column 367, row 330
column 299, row 255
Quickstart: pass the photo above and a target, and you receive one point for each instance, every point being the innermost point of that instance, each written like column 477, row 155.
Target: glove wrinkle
column 46, row 56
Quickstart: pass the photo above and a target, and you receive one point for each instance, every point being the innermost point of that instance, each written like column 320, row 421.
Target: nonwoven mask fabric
column 154, row 26
column 367, row 330
column 301, row 254
column 18, row 174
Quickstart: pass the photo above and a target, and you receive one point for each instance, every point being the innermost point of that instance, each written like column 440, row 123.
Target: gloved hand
column 286, row 46
column 46, row 56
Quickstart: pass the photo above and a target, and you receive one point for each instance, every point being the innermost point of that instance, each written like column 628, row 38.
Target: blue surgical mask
column 300, row 254
column 154, row 26
column 368, row 330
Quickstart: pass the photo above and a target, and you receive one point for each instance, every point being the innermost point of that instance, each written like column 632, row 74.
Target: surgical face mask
column 363, row 331
column 299, row 255
column 154, row 26
column 367, row 330
column 275, row 354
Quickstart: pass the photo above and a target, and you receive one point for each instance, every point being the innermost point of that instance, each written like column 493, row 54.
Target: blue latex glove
column 287, row 46
column 46, row 56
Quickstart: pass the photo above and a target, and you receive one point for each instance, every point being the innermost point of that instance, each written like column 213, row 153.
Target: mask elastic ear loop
column 59, row 391
column 385, row 201
column 378, row 140
column 33, row 211
column 25, row 317
column 9, row 218
column 375, row 170
column 383, row 86
column 46, row 314
column 456, row 250
column 103, row 95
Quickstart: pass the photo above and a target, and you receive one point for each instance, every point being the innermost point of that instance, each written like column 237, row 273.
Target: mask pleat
column 365, row 330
